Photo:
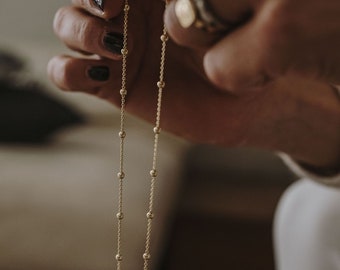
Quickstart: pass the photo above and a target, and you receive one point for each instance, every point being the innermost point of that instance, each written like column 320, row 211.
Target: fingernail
column 113, row 42
column 99, row 4
column 99, row 73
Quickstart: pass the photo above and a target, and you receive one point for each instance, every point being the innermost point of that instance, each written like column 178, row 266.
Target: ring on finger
column 199, row 14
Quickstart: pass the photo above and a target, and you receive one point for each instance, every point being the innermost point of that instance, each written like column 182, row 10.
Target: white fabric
column 303, row 173
column 307, row 228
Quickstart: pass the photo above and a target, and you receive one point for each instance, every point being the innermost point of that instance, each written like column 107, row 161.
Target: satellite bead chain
column 122, row 135
column 156, row 130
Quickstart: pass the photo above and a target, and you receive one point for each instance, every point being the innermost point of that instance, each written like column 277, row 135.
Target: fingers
column 83, row 32
column 97, row 77
column 244, row 60
column 230, row 13
column 108, row 9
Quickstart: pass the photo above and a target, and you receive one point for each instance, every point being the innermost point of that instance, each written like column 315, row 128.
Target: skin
column 267, row 40
column 290, row 113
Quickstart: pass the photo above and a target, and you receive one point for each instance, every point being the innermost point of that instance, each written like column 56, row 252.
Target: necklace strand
column 156, row 130
column 122, row 135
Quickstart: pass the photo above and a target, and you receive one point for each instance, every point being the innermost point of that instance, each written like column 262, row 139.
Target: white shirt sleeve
column 302, row 172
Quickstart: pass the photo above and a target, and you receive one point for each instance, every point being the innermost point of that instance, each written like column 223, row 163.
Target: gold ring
column 199, row 14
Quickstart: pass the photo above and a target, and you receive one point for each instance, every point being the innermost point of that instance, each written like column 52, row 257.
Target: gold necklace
column 122, row 136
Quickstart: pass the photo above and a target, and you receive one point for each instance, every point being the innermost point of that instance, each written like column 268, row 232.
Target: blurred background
column 58, row 152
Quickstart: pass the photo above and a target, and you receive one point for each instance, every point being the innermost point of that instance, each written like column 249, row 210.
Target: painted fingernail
column 99, row 73
column 99, row 4
column 113, row 42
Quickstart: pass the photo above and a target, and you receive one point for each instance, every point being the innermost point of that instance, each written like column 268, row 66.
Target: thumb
column 242, row 60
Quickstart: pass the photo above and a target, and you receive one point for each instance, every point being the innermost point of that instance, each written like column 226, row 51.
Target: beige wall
column 28, row 19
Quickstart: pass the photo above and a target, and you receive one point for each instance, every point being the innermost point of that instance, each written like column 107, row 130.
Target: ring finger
column 92, row 76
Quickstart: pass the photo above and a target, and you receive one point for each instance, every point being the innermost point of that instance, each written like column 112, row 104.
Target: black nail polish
column 99, row 73
column 113, row 42
column 99, row 4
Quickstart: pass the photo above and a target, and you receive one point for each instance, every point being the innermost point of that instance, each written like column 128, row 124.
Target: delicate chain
column 122, row 135
column 156, row 130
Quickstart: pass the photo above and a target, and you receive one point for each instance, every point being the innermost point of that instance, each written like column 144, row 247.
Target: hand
column 266, row 40
column 192, row 106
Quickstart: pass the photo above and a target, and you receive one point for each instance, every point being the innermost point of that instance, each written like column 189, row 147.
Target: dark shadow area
column 225, row 211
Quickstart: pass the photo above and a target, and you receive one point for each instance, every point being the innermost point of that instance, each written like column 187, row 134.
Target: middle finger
column 84, row 32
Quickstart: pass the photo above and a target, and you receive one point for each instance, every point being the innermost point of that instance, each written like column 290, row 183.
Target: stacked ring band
column 199, row 14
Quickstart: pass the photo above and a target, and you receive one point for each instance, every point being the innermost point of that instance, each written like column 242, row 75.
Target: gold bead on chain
column 122, row 135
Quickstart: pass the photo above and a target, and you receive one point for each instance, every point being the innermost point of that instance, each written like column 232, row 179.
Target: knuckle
column 80, row 30
column 86, row 35
column 76, row 33
column 58, row 22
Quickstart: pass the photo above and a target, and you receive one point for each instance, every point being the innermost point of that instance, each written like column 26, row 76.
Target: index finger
column 108, row 9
